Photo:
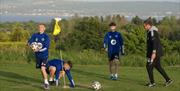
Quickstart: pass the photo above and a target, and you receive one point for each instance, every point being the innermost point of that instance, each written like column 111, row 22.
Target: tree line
column 83, row 33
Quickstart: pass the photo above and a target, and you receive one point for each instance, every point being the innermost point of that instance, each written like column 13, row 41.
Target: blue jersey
column 44, row 40
column 59, row 67
column 114, row 42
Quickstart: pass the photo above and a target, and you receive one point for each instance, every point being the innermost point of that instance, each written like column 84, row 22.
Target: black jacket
column 153, row 43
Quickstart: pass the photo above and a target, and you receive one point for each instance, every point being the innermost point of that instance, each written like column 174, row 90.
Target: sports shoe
column 115, row 78
column 168, row 83
column 52, row 82
column 151, row 84
column 46, row 86
column 111, row 77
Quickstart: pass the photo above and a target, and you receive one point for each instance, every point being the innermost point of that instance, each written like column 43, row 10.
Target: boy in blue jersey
column 41, row 54
column 58, row 68
column 113, row 44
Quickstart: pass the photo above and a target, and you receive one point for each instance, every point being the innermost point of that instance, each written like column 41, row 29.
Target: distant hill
column 69, row 8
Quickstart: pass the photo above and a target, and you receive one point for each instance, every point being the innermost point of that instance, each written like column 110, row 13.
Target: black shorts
column 113, row 56
column 47, row 71
column 41, row 62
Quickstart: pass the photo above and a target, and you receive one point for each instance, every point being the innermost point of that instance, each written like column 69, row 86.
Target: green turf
column 24, row 77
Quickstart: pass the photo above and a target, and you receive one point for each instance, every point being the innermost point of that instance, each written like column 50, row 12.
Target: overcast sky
column 130, row 0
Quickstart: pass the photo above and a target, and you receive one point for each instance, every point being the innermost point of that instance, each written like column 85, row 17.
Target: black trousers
column 156, row 63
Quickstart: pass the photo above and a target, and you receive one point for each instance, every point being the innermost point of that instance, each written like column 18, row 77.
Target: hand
column 106, row 49
column 35, row 50
column 150, row 61
column 153, row 56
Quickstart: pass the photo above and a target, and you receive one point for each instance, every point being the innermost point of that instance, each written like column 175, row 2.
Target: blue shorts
column 113, row 56
column 41, row 62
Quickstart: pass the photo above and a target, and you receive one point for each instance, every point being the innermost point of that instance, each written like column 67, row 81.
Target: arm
column 105, row 41
column 46, row 45
column 31, row 39
column 121, row 44
column 154, row 39
column 57, row 75
column 72, row 84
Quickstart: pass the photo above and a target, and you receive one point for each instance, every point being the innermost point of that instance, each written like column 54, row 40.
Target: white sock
column 112, row 75
column 116, row 75
column 46, row 81
column 50, row 79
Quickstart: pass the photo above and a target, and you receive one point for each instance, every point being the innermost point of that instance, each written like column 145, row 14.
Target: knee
column 52, row 69
column 43, row 69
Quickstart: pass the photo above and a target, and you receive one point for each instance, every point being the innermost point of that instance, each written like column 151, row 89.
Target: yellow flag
column 57, row 28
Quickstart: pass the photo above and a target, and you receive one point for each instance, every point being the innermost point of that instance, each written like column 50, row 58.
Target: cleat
column 51, row 82
column 150, row 84
column 168, row 83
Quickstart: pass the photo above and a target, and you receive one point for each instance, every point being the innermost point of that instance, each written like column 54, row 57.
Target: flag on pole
column 57, row 28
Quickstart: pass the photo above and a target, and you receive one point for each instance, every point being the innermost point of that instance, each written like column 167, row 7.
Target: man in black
column 154, row 53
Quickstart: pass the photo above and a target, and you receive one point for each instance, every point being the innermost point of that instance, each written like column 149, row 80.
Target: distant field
column 24, row 77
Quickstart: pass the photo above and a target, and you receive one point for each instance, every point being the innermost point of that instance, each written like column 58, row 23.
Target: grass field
column 24, row 77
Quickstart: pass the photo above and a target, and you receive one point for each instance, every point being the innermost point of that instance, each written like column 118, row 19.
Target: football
column 39, row 46
column 96, row 85
column 36, row 46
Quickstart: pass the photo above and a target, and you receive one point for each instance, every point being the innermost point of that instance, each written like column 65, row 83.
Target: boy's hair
column 69, row 63
column 42, row 24
column 148, row 21
column 112, row 24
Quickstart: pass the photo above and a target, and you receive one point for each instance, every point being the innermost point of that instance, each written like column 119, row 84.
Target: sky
column 129, row 0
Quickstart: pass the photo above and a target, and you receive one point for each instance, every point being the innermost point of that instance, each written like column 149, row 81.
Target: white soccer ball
column 96, row 85
column 39, row 45
column 34, row 46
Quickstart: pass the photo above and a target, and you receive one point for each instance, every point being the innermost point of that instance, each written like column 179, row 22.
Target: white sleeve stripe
column 152, row 33
column 43, row 49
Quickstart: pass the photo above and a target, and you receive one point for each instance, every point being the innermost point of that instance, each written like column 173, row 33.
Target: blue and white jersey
column 114, row 42
column 59, row 67
column 44, row 40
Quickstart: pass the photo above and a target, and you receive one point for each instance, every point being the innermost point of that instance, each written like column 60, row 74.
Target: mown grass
column 24, row 77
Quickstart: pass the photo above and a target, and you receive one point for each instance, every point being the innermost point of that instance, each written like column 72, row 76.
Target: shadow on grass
column 18, row 79
column 90, row 73
column 122, row 78
column 83, row 86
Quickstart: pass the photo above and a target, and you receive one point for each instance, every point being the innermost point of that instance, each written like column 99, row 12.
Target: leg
column 161, row 70
column 149, row 68
column 52, row 72
column 116, row 62
column 43, row 70
column 111, row 67
column 44, row 74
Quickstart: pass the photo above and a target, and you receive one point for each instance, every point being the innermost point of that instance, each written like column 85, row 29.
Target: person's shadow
column 102, row 76
column 18, row 79
column 93, row 74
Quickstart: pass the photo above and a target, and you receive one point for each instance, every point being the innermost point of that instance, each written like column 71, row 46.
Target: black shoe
column 168, row 83
column 112, row 77
column 52, row 82
column 115, row 78
column 46, row 86
column 151, row 84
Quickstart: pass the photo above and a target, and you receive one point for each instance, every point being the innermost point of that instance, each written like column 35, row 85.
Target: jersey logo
column 113, row 42
column 36, row 39
column 110, row 37
column 42, row 39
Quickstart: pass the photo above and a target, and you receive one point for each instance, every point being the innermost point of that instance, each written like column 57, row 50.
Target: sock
column 116, row 75
column 50, row 79
column 46, row 81
column 112, row 75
